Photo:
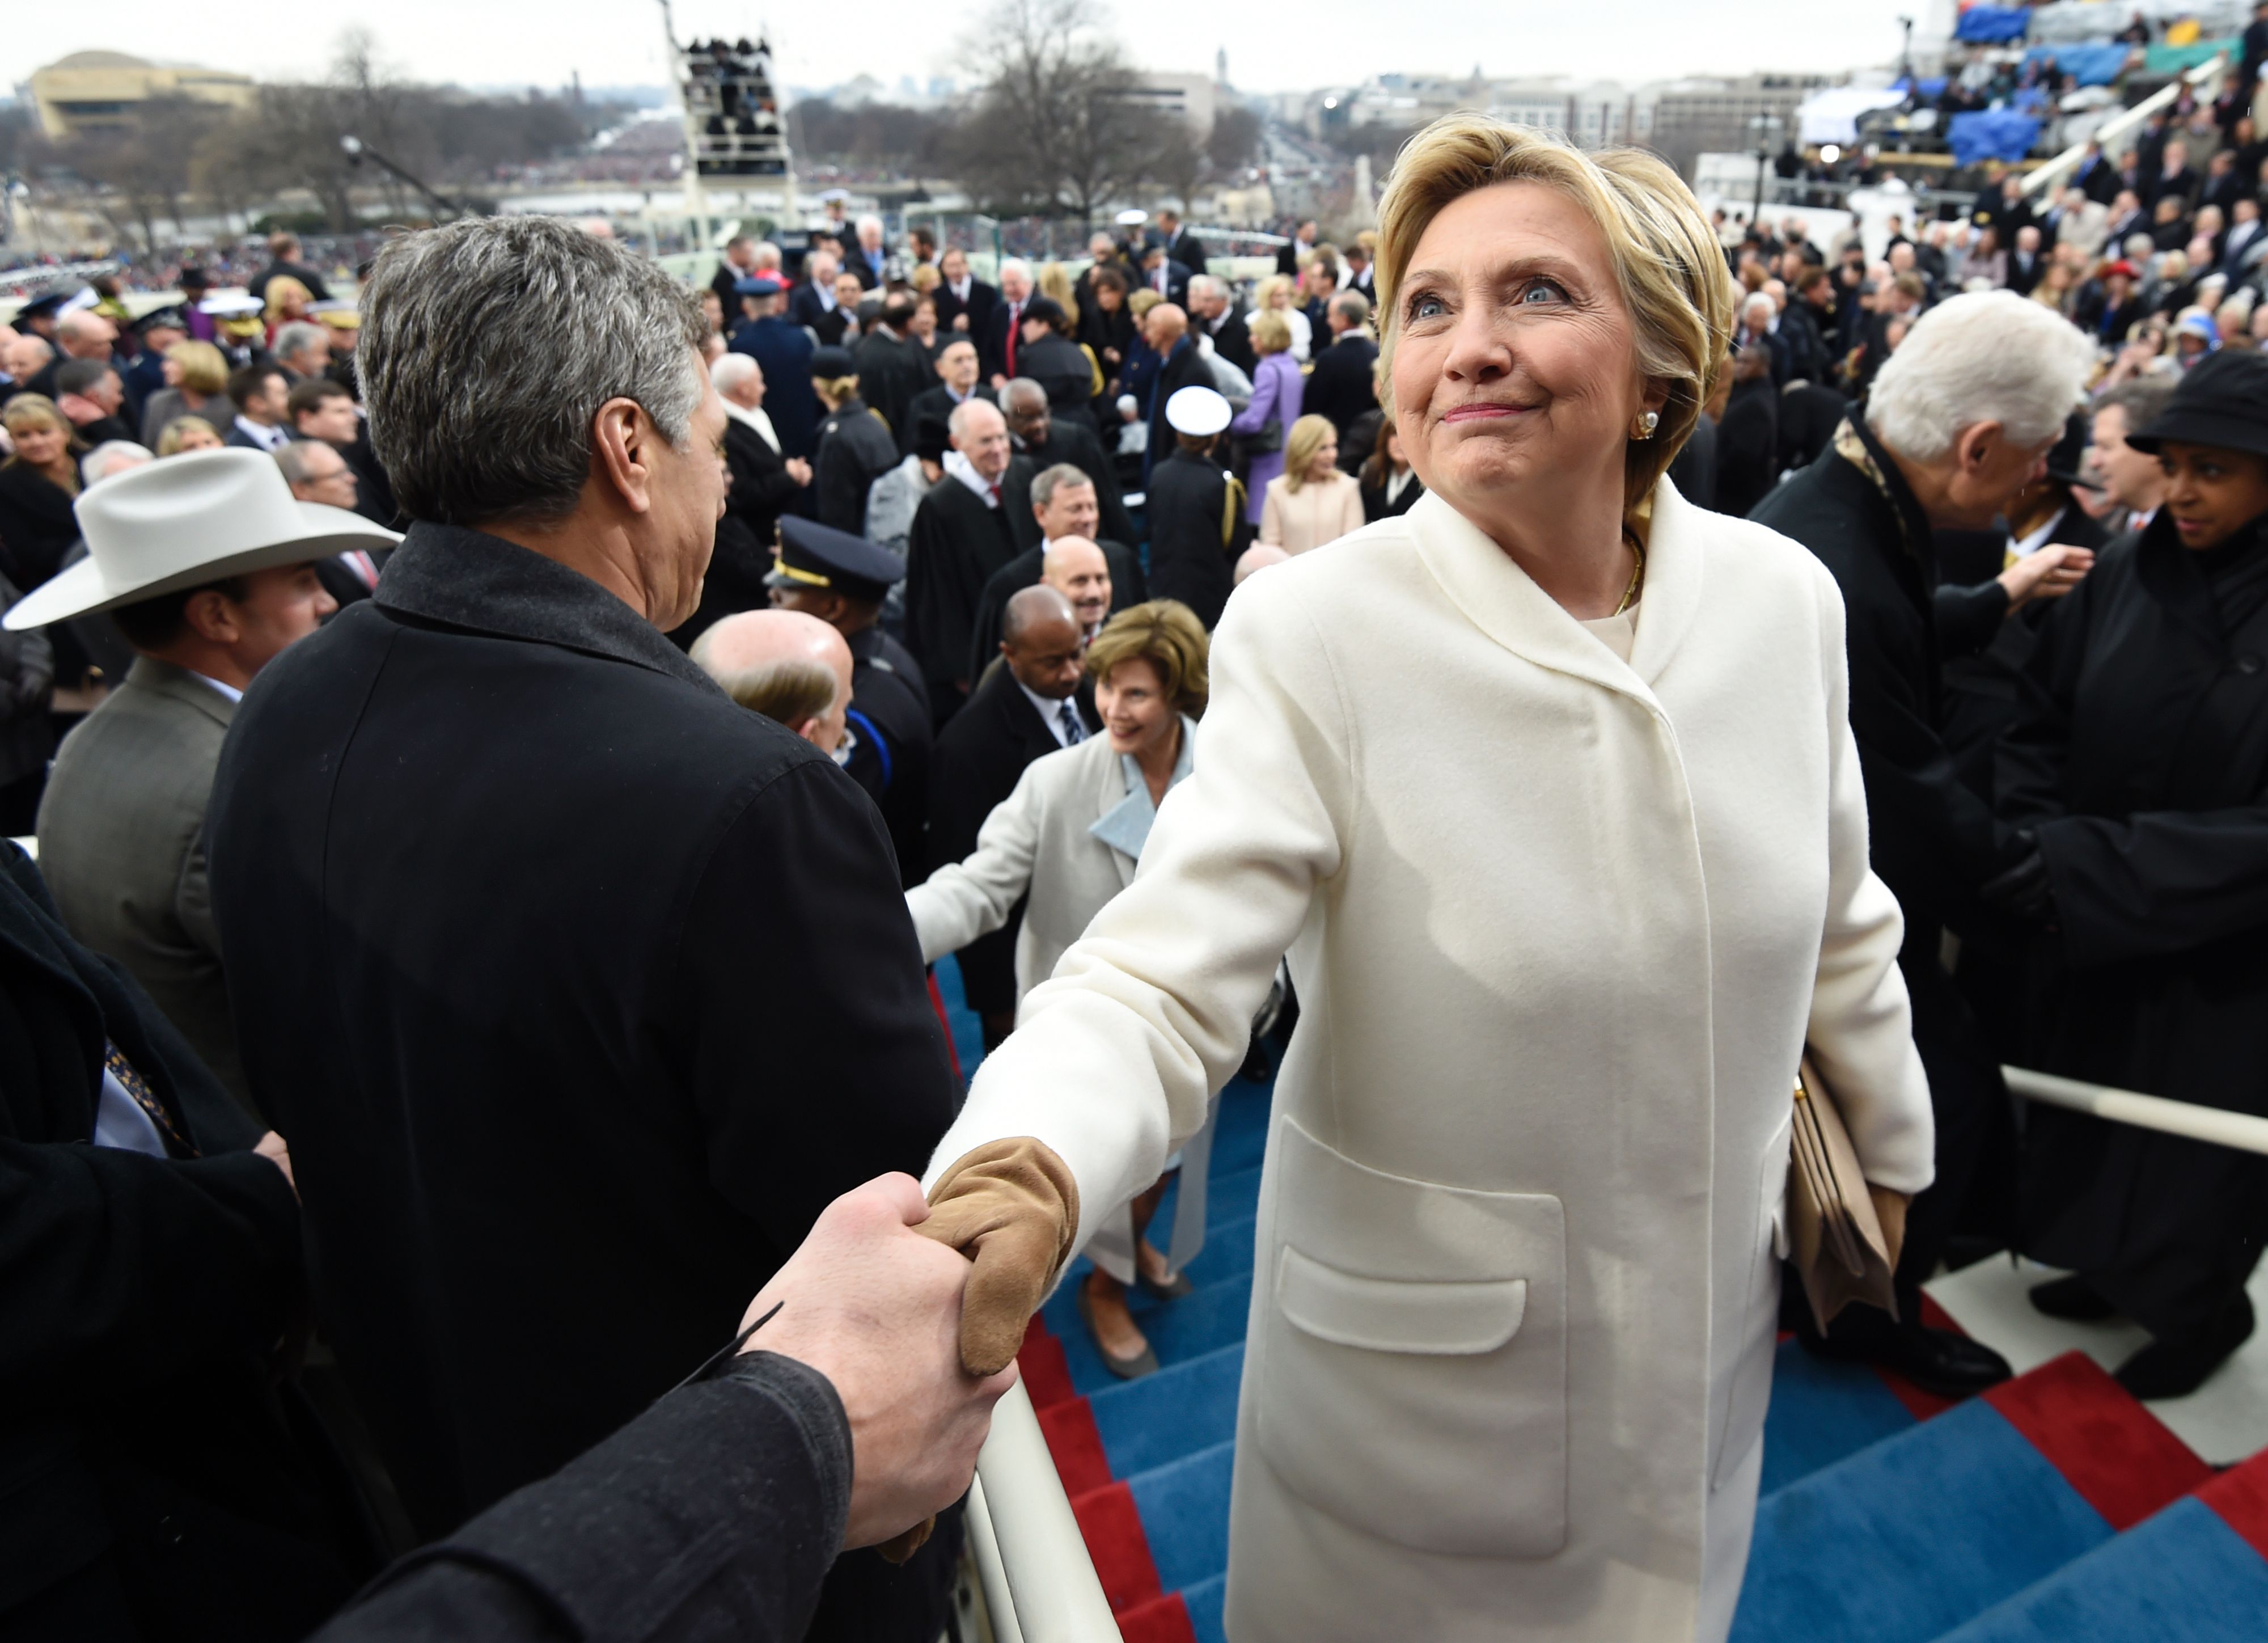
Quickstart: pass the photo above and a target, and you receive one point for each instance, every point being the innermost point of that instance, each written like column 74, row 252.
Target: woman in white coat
column 1068, row 838
column 1549, row 789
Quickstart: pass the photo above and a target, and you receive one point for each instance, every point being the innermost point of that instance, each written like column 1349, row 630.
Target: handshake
column 919, row 1342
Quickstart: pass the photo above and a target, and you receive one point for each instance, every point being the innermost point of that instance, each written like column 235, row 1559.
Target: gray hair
column 1051, row 480
column 1352, row 307
column 2143, row 400
column 766, row 255
column 1204, row 287
column 957, row 424
column 732, row 370
column 297, row 337
column 292, row 459
column 100, row 463
column 1021, row 388
column 1980, row 357
column 489, row 345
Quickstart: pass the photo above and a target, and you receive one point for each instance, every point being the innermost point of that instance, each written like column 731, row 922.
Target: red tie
column 995, row 490
column 1015, row 324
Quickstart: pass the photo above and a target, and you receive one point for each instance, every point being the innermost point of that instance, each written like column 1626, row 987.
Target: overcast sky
column 1271, row 48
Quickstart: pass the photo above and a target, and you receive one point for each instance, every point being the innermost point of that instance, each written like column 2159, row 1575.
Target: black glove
column 2023, row 891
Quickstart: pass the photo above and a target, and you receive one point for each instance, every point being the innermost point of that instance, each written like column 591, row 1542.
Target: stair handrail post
column 1052, row 1592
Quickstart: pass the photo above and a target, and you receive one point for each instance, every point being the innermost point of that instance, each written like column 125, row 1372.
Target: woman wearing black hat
column 855, row 447
column 2138, row 768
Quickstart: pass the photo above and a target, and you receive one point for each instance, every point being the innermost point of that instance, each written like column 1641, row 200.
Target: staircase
column 2054, row 1509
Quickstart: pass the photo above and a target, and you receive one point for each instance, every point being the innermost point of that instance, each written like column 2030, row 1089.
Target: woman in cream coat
column 1068, row 838
column 1549, row 789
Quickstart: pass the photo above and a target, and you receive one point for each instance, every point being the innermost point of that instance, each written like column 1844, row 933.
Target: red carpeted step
column 2116, row 1455
column 1080, row 1460
column 1160, row 1620
column 1112, row 1528
column 2240, row 1495
column 1046, row 1371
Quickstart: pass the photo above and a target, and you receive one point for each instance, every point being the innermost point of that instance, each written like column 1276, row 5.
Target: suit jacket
column 785, row 352
column 1177, row 280
column 1339, row 386
column 891, row 372
column 982, row 299
column 122, row 846
column 530, row 927
column 992, row 345
column 937, row 400
column 150, row 1471
column 1233, row 341
column 1188, row 251
column 1184, row 367
column 957, row 543
column 981, row 755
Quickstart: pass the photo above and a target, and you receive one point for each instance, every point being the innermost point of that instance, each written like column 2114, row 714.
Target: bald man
column 1075, row 568
column 786, row 666
column 1033, row 701
column 1165, row 328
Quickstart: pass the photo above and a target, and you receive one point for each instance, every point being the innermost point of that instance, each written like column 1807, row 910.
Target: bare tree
column 144, row 169
column 1055, row 126
column 1233, row 143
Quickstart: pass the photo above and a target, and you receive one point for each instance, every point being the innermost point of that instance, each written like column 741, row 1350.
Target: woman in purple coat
column 1276, row 391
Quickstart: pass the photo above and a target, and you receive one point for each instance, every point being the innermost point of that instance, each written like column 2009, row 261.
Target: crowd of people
column 491, row 846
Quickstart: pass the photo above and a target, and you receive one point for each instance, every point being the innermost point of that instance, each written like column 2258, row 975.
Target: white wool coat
column 1560, row 928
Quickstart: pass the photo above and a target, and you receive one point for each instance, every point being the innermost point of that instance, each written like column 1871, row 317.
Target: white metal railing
column 1039, row 1582
column 2215, row 1124
column 2118, row 125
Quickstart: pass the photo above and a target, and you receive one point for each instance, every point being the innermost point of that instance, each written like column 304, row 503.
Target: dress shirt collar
column 962, row 469
column 1051, row 712
column 228, row 692
column 467, row 579
column 269, row 439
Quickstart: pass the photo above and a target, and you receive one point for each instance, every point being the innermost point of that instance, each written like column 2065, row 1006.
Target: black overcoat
column 855, row 450
column 956, row 543
column 1197, row 529
column 578, row 989
column 2139, row 756
column 150, row 1485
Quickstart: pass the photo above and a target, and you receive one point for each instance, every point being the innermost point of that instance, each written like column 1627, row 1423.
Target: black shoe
column 2071, row 1299
column 2174, row 1365
column 1937, row 1361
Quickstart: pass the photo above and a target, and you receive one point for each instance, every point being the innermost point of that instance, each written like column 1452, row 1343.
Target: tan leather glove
column 1012, row 1207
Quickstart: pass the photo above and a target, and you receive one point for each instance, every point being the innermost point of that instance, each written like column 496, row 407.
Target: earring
column 1648, row 422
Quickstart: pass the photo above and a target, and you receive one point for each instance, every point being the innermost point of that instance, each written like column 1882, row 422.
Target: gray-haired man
column 578, row 989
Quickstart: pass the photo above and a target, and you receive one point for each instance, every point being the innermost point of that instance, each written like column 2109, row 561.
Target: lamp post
column 357, row 151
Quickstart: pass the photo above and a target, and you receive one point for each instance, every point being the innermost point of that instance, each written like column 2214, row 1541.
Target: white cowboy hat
column 184, row 522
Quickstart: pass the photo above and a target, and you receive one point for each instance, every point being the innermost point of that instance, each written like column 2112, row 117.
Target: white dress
column 1561, row 924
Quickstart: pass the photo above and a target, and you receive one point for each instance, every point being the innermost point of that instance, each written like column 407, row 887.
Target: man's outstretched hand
column 876, row 1307
column 1012, row 1207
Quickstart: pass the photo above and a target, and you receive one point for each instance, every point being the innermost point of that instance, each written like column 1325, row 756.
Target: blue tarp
column 1992, row 24
column 1995, row 134
column 2089, row 65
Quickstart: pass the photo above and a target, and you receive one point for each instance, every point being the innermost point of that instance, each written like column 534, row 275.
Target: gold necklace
column 1638, row 571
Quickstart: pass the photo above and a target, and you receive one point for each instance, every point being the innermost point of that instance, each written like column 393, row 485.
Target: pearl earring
column 1646, row 423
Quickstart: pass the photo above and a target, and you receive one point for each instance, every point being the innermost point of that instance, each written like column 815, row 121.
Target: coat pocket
column 1741, row 1424
column 1413, row 1373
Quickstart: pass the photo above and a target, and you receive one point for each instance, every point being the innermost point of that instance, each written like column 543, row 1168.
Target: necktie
column 995, row 490
column 1015, row 324
column 114, row 1062
column 1074, row 732
column 364, row 566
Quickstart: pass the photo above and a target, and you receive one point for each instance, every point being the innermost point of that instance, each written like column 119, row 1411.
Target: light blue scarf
column 1125, row 826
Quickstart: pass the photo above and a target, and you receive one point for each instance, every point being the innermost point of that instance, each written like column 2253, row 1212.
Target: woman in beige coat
column 1310, row 502
column 1549, row 789
column 1068, row 838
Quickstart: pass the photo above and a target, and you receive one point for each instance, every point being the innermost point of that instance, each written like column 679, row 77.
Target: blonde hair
column 1668, row 266
column 1271, row 331
column 926, row 278
column 1308, row 434
column 1053, row 281
column 1139, row 303
column 37, row 410
column 205, row 368
column 171, row 438
column 1263, row 294
column 1166, row 634
column 281, row 290
column 835, row 390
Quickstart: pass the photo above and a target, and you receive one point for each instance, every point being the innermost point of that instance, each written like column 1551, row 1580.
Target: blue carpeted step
column 1183, row 1408
column 1911, row 1536
column 1822, row 1411
column 1184, row 1507
column 1212, row 1317
column 1203, row 1601
column 2183, row 1576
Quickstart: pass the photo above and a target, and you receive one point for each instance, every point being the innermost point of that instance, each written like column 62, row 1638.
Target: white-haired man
column 868, row 257
column 996, row 344
column 1961, row 418
column 961, row 536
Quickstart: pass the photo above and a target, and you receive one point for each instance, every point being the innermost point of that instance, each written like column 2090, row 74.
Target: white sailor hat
column 1198, row 412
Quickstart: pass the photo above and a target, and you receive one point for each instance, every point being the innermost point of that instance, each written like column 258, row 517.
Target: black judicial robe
column 2140, row 759
column 957, row 542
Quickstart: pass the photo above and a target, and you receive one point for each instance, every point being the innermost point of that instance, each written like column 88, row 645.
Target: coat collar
column 1123, row 799
column 178, row 684
column 467, row 579
column 1501, row 599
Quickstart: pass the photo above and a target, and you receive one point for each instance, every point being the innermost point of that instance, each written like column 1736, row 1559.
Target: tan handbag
column 1835, row 1238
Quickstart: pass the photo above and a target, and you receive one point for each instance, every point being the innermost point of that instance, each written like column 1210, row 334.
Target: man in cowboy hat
column 204, row 562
